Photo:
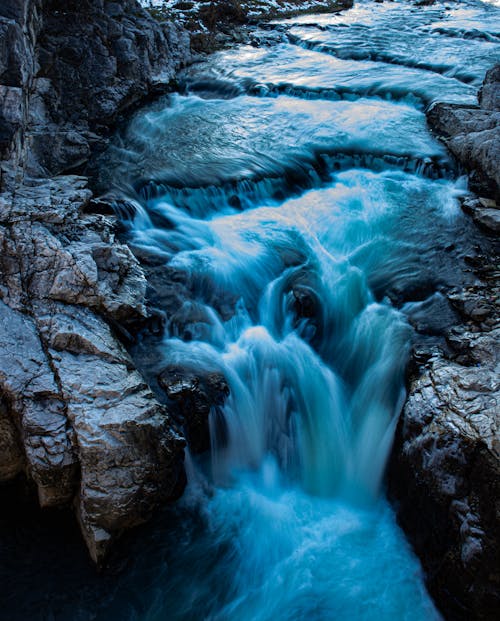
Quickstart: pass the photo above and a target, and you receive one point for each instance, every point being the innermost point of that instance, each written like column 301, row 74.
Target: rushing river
column 294, row 189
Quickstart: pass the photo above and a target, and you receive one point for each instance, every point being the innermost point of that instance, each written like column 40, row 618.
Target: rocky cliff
column 445, row 468
column 76, row 418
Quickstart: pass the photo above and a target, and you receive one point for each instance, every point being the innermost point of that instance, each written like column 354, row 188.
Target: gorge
column 265, row 250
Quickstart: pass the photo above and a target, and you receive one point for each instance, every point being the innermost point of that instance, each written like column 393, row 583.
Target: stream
column 301, row 225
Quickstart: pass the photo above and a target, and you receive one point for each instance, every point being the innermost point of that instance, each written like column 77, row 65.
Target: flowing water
column 300, row 219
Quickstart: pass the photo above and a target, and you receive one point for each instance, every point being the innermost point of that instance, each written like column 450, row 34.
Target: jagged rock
column 196, row 395
column 472, row 134
column 484, row 212
column 444, row 472
column 58, row 98
column 36, row 407
column 489, row 95
column 60, row 255
column 12, row 460
column 88, row 425
column 75, row 416
column 445, row 466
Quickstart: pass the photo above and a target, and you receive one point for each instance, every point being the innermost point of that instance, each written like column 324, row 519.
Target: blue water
column 301, row 167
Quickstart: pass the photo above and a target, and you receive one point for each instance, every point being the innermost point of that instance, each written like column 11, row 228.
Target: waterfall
column 295, row 216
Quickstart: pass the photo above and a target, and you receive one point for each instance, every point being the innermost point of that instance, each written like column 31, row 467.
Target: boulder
column 472, row 134
column 444, row 474
column 485, row 214
column 76, row 417
column 197, row 395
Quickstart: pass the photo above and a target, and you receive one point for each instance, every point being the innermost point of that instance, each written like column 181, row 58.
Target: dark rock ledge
column 77, row 420
column 444, row 473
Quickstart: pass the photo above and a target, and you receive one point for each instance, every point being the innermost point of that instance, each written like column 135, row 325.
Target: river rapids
column 294, row 189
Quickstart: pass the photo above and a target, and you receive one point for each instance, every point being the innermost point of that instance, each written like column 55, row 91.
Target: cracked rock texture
column 68, row 70
column 444, row 474
column 472, row 134
column 76, row 417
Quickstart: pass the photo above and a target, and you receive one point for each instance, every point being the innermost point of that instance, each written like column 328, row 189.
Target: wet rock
column 305, row 302
column 445, row 466
column 477, row 304
column 59, row 99
column 76, row 417
column 489, row 95
column 36, row 408
column 432, row 316
column 12, row 460
column 445, row 474
column 472, row 134
column 485, row 214
column 197, row 395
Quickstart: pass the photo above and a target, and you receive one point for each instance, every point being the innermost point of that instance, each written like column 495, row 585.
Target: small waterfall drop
column 297, row 223
column 295, row 191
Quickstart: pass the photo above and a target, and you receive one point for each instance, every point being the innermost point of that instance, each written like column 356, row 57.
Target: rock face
column 68, row 70
column 472, row 134
column 212, row 23
column 76, row 417
column 444, row 473
column 80, row 421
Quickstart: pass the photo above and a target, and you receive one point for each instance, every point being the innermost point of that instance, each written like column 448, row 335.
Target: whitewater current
column 301, row 223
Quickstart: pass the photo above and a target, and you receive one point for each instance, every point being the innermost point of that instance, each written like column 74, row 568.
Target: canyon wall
column 77, row 421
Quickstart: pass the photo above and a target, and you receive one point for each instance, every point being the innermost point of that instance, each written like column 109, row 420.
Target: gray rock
column 445, row 466
column 58, row 98
column 472, row 134
column 76, row 416
column 198, row 396
column 489, row 95
column 484, row 213
column 444, row 472
column 36, row 407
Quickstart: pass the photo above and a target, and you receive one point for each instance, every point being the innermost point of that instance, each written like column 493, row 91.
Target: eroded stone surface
column 197, row 395
column 75, row 416
column 444, row 473
column 445, row 467
column 67, row 70
column 472, row 134
column 88, row 425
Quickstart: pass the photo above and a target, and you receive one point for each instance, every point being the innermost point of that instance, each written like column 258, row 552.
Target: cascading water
column 295, row 179
column 297, row 194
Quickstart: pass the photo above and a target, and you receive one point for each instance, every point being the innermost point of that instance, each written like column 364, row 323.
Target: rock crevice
column 76, row 417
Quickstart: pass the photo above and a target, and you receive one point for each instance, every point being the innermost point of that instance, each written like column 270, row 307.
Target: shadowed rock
column 472, row 134
column 197, row 395
column 445, row 466
column 78, row 418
